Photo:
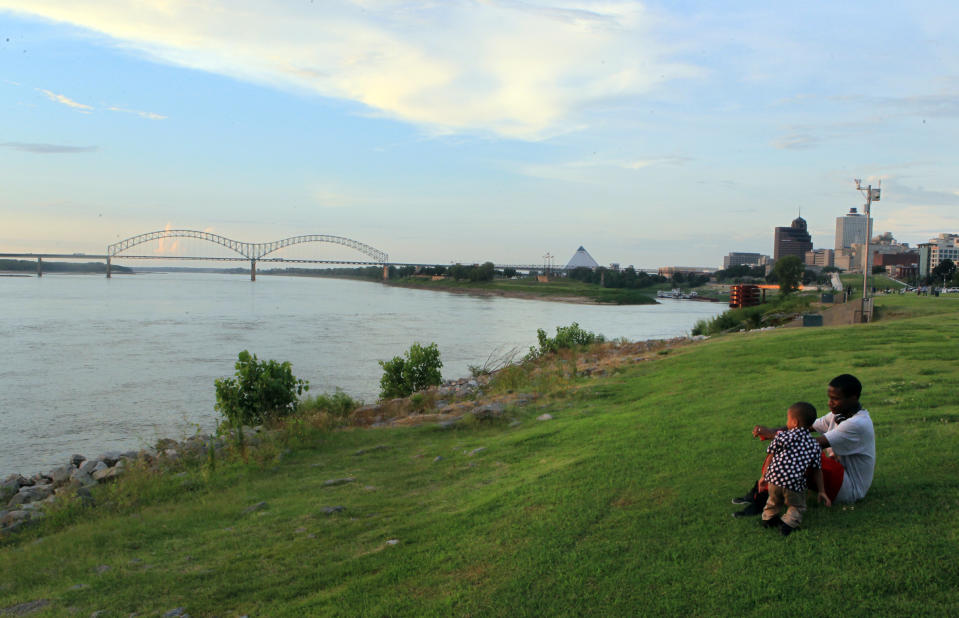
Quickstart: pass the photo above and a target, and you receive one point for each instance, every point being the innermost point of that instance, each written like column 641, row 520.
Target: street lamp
column 872, row 195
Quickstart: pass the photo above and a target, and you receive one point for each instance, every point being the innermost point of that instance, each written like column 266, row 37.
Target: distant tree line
column 60, row 267
column 628, row 278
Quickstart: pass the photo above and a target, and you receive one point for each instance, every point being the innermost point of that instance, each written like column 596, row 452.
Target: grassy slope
column 880, row 282
column 558, row 288
column 618, row 506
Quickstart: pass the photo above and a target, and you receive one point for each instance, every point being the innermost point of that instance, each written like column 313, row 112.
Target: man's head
column 843, row 392
column 800, row 414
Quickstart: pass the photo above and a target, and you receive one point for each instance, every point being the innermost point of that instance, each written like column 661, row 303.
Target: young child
column 790, row 455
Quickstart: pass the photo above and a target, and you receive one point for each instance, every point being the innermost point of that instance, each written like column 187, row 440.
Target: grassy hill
column 620, row 505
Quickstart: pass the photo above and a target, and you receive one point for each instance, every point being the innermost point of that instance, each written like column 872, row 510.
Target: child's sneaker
column 785, row 529
column 772, row 522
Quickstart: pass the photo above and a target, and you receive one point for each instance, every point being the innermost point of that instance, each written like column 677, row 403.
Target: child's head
column 800, row 414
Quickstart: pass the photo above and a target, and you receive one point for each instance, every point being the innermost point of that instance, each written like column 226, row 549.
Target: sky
column 652, row 133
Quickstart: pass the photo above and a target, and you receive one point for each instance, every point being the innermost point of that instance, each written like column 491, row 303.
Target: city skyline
column 650, row 133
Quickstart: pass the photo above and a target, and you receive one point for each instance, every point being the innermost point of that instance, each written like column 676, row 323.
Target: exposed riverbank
column 558, row 290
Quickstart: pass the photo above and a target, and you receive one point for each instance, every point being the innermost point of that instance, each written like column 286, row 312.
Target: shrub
column 571, row 336
column 420, row 369
column 338, row 404
column 260, row 391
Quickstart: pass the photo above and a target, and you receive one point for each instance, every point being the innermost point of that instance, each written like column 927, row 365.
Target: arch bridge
column 254, row 252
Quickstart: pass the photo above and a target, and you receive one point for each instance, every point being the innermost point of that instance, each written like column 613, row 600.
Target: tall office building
column 851, row 229
column 792, row 240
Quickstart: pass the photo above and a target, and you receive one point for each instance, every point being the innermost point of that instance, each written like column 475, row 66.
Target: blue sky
column 651, row 133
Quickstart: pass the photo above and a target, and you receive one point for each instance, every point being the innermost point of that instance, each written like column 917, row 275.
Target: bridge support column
column 386, row 272
column 39, row 266
column 252, row 270
column 108, row 267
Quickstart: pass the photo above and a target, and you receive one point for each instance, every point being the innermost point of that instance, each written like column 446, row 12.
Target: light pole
column 872, row 195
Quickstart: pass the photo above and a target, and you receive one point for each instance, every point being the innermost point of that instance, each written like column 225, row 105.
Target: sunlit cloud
column 525, row 70
column 147, row 115
column 63, row 100
column 47, row 148
column 167, row 246
column 583, row 171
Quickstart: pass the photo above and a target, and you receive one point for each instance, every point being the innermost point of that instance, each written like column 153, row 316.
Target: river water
column 91, row 364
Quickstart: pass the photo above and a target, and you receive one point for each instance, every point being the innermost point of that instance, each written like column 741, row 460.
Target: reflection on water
column 91, row 364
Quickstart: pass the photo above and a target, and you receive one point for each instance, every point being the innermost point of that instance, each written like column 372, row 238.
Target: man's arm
column 822, row 440
column 821, row 487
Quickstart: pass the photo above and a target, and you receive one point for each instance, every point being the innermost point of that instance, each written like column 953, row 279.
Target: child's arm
column 762, row 485
column 817, row 475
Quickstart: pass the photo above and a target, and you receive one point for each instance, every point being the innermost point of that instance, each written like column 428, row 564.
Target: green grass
column 559, row 288
column 618, row 506
column 880, row 282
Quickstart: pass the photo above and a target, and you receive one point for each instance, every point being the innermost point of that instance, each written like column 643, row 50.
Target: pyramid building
column 581, row 259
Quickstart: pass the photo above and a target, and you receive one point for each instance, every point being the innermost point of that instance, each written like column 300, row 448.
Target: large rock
column 89, row 466
column 61, row 474
column 101, row 465
column 31, row 494
column 102, row 476
column 489, row 411
column 83, row 478
column 76, row 460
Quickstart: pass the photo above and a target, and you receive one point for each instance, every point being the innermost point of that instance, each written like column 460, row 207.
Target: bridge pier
column 108, row 267
column 386, row 272
column 39, row 266
column 252, row 270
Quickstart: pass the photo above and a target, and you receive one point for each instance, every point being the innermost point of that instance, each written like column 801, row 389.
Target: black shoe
column 750, row 496
column 773, row 522
column 785, row 529
column 753, row 508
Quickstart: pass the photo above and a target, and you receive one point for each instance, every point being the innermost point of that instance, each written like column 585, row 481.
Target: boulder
column 108, row 474
column 76, row 460
column 544, row 417
column 31, row 494
column 82, row 478
column 61, row 474
column 100, row 465
column 89, row 466
column 489, row 411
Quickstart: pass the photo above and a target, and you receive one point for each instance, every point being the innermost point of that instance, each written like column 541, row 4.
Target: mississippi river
column 91, row 364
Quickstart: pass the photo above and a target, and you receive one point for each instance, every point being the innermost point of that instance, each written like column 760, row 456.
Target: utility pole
column 872, row 195
column 548, row 263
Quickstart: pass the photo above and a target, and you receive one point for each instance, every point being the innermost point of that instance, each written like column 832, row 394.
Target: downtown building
column 852, row 230
column 932, row 253
column 739, row 258
column 793, row 240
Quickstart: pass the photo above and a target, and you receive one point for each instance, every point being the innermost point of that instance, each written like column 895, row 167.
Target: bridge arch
column 251, row 251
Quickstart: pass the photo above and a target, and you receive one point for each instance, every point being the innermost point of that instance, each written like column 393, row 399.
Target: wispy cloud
column 525, row 70
column 148, row 115
column 574, row 170
column 796, row 141
column 47, row 148
column 63, row 100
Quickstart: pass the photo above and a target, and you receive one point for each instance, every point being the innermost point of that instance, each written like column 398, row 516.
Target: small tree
column 789, row 271
column 403, row 376
column 944, row 270
column 260, row 390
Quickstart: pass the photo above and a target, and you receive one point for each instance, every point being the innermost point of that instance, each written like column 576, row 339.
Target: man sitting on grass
column 849, row 448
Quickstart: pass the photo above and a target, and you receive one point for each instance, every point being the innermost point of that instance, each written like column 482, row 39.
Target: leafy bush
column 774, row 313
column 403, row 376
column 571, row 336
column 338, row 404
column 260, row 391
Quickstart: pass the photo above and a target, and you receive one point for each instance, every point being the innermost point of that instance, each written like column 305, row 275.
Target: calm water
column 93, row 364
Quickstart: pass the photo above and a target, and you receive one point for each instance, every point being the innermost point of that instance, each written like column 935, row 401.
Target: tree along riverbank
column 606, row 491
column 559, row 290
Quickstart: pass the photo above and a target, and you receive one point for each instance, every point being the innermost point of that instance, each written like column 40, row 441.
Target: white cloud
column 59, row 98
column 520, row 69
column 579, row 171
column 147, row 115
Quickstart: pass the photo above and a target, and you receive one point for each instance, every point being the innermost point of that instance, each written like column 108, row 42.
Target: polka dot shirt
column 794, row 451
